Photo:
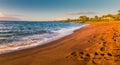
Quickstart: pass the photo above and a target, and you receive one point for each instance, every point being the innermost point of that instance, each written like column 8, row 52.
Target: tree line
column 108, row 17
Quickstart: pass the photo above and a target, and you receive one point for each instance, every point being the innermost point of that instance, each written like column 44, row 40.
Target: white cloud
column 81, row 13
column 9, row 17
column 1, row 14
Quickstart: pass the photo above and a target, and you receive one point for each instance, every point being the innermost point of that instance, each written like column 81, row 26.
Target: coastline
column 65, row 51
column 13, row 47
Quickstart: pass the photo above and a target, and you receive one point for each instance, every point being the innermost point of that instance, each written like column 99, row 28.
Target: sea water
column 17, row 35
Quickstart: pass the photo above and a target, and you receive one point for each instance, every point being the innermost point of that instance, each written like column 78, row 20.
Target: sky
column 48, row 10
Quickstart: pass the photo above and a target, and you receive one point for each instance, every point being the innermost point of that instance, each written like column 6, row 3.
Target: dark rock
column 96, row 53
column 109, row 54
column 82, row 53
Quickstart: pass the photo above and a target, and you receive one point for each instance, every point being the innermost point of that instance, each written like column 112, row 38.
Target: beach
column 95, row 44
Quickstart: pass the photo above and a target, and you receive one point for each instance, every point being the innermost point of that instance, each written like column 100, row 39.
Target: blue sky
column 39, row 10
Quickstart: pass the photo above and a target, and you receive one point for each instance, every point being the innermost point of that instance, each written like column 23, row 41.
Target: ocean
column 17, row 35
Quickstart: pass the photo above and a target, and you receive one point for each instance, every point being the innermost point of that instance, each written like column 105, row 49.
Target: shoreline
column 32, row 43
column 66, row 50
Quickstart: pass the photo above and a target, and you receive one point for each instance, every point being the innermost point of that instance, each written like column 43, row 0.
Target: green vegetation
column 108, row 17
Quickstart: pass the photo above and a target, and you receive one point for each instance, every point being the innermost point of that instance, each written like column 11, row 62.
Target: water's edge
column 31, row 44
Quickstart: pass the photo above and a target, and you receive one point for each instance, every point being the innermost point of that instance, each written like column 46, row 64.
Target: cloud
column 9, row 17
column 13, row 15
column 81, row 13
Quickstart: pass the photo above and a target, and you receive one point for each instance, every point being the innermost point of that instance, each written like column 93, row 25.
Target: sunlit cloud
column 9, row 17
column 57, row 19
column 81, row 13
column 1, row 14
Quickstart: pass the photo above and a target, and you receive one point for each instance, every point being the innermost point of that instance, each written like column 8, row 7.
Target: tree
column 68, row 20
column 118, row 12
column 117, row 17
column 84, row 18
column 109, row 15
column 96, row 18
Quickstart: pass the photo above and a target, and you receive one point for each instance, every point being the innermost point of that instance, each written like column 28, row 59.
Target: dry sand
column 95, row 44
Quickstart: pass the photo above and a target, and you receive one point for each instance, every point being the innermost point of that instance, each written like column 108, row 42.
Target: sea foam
column 37, row 39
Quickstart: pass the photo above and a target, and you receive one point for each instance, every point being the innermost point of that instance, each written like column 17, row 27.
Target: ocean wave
column 37, row 39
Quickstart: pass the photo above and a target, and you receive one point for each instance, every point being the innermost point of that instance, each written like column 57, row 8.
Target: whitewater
column 18, row 35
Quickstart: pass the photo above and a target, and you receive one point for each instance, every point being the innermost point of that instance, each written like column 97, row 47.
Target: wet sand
column 95, row 44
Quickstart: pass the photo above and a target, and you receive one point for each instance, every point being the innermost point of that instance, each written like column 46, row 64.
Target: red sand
column 96, row 44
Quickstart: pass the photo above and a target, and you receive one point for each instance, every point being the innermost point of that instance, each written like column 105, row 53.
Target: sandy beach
column 95, row 44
